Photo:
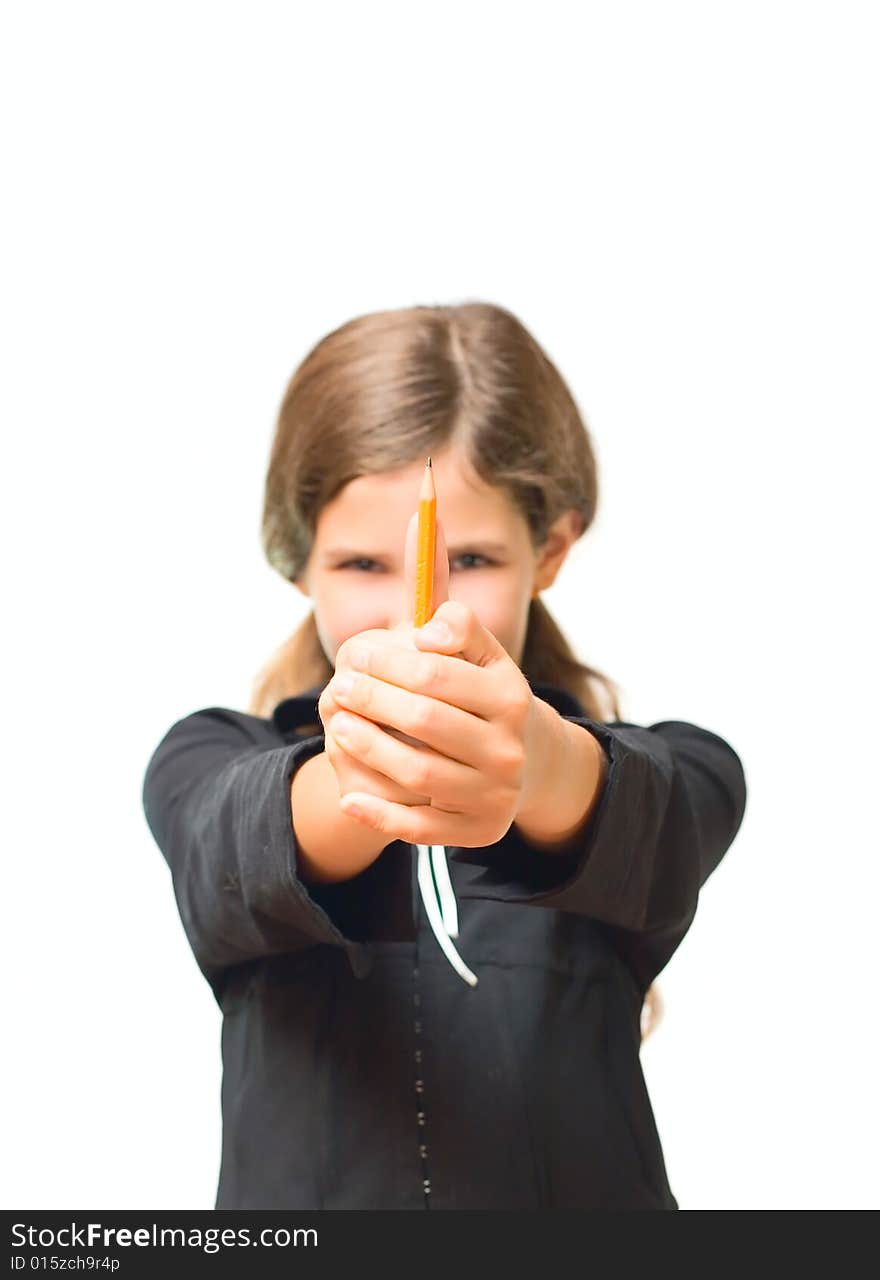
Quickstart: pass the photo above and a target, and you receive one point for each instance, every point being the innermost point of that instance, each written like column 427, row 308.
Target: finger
column 456, row 629
column 441, row 567
column 353, row 774
column 417, row 824
column 417, row 768
column 435, row 675
column 449, row 730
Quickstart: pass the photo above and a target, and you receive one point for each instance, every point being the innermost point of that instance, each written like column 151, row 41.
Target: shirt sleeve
column 672, row 802
column 216, row 796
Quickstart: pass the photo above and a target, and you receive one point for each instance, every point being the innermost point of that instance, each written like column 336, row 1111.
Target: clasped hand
column 467, row 725
column 434, row 740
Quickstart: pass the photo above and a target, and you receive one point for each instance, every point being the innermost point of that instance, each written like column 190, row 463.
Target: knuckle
column 511, row 759
column 358, row 655
column 429, row 673
column 362, row 692
column 355, row 653
column 457, row 616
column 523, row 701
column 372, row 756
column 457, row 613
column 502, row 804
column 421, row 717
column 417, row 774
column 517, row 703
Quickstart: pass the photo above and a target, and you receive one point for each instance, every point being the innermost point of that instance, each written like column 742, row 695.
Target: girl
column 431, row 875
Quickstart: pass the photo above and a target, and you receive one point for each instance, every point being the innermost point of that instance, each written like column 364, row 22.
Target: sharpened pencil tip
column 429, row 462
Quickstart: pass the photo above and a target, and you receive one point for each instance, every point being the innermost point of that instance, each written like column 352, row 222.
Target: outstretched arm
column 217, row 799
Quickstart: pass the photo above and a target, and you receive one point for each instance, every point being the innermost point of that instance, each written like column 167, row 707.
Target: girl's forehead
column 383, row 503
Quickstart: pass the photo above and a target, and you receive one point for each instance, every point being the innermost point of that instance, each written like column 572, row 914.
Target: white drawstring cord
column 440, row 905
column 445, row 892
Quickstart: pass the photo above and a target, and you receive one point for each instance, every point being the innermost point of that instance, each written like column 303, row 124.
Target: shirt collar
column 297, row 717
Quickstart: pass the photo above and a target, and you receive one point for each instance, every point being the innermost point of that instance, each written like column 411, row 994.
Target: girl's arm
column 631, row 852
column 217, row 798
column 670, row 808
column 570, row 774
column 331, row 846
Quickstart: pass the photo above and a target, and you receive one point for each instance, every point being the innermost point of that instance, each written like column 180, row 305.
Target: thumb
column 441, row 568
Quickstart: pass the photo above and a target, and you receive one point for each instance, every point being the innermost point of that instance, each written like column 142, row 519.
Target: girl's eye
column 358, row 563
column 366, row 564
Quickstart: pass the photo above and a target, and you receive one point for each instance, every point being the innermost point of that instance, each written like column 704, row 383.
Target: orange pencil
column 425, row 547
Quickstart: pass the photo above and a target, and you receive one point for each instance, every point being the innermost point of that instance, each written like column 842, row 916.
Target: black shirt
column 359, row 1070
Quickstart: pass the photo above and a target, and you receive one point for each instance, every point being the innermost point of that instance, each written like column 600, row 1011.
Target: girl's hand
column 353, row 773
column 474, row 734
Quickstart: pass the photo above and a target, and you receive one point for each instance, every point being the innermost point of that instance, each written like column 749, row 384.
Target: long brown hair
column 387, row 389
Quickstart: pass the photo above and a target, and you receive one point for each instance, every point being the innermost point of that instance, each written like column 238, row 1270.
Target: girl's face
column 355, row 573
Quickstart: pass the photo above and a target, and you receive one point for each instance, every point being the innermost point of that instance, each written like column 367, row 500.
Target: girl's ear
column 301, row 585
column 562, row 534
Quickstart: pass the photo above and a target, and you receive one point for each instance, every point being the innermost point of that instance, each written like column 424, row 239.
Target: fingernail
column 352, row 807
column 342, row 722
column 343, row 684
column 436, row 632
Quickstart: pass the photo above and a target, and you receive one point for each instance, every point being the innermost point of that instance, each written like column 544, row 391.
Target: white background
column 680, row 201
